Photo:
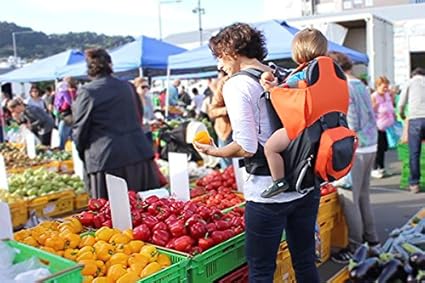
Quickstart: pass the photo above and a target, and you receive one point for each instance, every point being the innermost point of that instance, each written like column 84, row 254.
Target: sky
column 128, row 17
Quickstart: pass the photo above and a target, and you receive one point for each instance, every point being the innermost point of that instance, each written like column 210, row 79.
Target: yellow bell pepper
column 151, row 268
column 129, row 277
column 56, row 243
column 102, row 279
column 41, row 238
column 70, row 254
column 104, row 234
column 75, row 223
column 121, row 248
column 119, row 239
column 128, row 233
column 138, row 258
column 136, row 246
column 21, row 235
column 163, row 260
column 150, row 252
column 90, row 267
column 30, row 241
column 104, row 251
column 87, row 241
column 49, row 250
column 88, row 279
column 137, row 267
column 116, row 271
column 86, row 256
column 101, row 266
column 87, row 249
column 119, row 258
column 71, row 240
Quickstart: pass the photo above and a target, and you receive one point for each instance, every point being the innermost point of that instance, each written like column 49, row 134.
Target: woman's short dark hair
column 98, row 62
column 35, row 87
column 13, row 103
column 239, row 39
column 341, row 59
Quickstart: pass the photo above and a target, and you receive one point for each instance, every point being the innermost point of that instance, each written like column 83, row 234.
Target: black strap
column 250, row 72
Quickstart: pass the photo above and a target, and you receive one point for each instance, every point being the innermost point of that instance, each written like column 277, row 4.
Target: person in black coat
column 36, row 119
column 108, row 130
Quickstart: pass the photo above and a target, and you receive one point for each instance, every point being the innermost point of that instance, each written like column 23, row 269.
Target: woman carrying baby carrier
column 265, row 218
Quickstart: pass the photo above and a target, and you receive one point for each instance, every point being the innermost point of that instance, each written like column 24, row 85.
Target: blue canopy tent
column 278, row 39
column 147, row 53
column 44, row 69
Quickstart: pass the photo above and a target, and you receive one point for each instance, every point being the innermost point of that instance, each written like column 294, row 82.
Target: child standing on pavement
column 306, row 46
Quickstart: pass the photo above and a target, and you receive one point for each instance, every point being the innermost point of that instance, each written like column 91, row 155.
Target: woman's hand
column 205, row 148
column 268, row 81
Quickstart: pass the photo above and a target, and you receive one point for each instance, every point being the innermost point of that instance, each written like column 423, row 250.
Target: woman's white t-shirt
column 251, row 125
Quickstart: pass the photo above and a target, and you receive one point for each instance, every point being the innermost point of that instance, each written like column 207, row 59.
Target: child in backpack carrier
column 306, row 46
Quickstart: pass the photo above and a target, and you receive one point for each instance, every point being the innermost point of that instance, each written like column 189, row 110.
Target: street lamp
column 200, row 11
column 15, row 52
column 159, row 13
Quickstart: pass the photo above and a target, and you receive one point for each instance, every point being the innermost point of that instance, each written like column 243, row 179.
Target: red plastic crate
column 240, row 275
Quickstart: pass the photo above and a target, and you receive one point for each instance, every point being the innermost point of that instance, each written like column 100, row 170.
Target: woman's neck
column 247, row 63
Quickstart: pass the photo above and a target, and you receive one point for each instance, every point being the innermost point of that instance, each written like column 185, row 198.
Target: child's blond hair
column 308, row 44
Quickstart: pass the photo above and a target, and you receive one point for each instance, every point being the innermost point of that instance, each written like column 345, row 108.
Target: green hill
column 39, row 45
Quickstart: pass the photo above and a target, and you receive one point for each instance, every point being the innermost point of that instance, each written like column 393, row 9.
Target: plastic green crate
column 63, row 270
column 218, row 261
column 176, row 273
column 403, row 153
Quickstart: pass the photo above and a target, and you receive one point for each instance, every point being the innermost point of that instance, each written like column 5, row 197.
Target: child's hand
column 268, row 81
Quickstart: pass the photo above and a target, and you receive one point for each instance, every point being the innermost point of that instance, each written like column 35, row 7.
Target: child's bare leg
column 277, row 143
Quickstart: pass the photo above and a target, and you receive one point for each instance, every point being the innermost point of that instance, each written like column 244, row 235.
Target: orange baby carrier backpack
column 318, row 108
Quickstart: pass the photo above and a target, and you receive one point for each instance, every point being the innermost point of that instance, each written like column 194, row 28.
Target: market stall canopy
column 278, row 36
column 45, row 69
column 145, row 52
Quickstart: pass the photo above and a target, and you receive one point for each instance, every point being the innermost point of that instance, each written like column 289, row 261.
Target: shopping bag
column 394, row 133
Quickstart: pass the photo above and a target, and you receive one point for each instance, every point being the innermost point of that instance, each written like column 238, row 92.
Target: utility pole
column 15, row 51
column 200, row 11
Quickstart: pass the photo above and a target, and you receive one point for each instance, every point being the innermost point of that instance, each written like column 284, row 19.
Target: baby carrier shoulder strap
column 257, row 164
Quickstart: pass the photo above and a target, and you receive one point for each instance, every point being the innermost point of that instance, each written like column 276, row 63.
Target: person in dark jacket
column 108, row 130
column 37, row 120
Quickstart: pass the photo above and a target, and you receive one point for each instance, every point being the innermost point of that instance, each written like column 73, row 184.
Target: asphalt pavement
column 392, row 206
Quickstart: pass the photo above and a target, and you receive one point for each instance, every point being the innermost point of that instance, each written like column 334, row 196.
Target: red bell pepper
column 95, row 204
column 222, row 225
column 205, row 243
column 198, row 230
column 217, row 236
column 170, row 244
column 86, row 218
column 170, row 220
column 152, row 199
column 107, row 223
column 142, row 232
column 150, row 221
column 177, row 228
column 211, row 227
column 195, row 251
column 160, row 226
column 183, row 243
column 160, row 237
column 98, row 220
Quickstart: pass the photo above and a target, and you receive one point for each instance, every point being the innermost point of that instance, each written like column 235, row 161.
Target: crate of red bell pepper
column 183, row 226
column 222, row 198
column 214, row 181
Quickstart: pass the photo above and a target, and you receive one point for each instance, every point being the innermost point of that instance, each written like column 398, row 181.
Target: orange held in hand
column 202, row 137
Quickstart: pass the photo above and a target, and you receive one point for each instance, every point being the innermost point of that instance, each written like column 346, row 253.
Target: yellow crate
column 284, row 272
column 325, row 229
column 67, row 166
column 54, row 204
column 53, row 166
column 19, row 213
column 339, row 234
column 341, row 277
column 329, row 206
column 81, row 201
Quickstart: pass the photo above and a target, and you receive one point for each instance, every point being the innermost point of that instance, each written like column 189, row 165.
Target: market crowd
column 111, row 122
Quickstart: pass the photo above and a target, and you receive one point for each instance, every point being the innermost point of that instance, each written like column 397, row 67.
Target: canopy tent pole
column 167, row 104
